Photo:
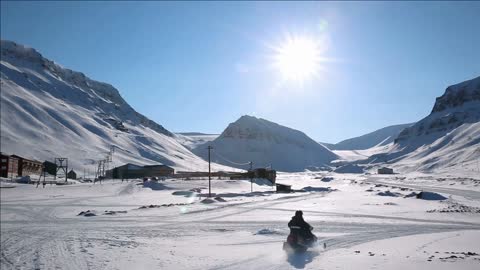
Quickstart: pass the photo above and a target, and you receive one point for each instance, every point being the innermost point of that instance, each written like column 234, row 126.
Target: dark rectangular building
column 129, row 171
column 158, row 170
column 50, row 167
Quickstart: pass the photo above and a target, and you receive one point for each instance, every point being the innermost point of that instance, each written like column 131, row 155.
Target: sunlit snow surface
column 41, row 228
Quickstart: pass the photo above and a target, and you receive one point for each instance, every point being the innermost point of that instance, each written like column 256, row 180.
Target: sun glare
column 298, row 59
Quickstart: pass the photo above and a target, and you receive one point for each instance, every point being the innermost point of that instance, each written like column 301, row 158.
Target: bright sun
column 298, row 59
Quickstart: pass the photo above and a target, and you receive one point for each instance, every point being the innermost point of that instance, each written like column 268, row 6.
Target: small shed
column 271, row 175
column 72, row 174
column 50, row 167
column 283, row 188
column 385, row 170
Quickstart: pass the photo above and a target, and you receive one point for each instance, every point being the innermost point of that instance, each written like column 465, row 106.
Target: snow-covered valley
column 49, row 111
column 425, row 216
column 365, row 221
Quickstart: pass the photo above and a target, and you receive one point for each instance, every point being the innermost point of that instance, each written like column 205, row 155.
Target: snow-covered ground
column 365, row 221
column 356, row 155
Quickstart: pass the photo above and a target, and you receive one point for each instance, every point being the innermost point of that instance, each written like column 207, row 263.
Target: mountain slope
column 192, row 139
column 48, row 111
column 447, row 139
column 266, row 143
column 376, row 138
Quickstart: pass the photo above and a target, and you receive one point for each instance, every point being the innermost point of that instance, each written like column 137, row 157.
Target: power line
column 226, row 159
column 266, row 166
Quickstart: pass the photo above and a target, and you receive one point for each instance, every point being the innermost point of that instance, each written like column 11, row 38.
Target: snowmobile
column 296, row 243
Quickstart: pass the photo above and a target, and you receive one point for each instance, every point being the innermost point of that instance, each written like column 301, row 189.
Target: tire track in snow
column 56, row 244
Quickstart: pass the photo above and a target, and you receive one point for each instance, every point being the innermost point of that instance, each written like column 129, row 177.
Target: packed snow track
column 43, row 231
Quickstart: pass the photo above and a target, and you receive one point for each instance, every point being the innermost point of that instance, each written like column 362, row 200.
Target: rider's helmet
column 299, row 213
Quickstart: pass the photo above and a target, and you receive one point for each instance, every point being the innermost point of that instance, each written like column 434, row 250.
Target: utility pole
column 209, row 173
column 112, row 150
column 251, row 176
column 62, row 164
column 100, row 169
column 40, row 178
column 103, row 171
column 95, row 171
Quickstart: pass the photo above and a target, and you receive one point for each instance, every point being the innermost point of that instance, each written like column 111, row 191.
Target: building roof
column 158, row 165
column 27, row 159
column 130, row 166
column 283, row 185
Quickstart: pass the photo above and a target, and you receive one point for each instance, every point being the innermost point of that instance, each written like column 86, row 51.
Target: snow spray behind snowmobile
column 296, row 243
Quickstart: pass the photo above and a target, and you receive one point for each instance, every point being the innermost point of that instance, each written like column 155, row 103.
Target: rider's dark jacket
column 304, row 229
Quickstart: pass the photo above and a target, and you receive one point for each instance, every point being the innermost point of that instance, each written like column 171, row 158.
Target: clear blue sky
column 195, row 66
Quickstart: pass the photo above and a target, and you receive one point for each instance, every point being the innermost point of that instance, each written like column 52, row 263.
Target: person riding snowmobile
column 301, row 229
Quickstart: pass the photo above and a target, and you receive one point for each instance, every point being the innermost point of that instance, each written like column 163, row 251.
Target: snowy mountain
column 48, row 111
column 266, row 143
column 448, row 138
column 376, row 138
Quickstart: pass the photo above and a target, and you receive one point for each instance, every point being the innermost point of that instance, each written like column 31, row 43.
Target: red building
column 28, row 166
column 13, row 166
column 8, row 166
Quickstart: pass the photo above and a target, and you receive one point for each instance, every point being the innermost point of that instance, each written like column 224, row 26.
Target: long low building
column 129, row 171
column 14, row 166
column 268, row 174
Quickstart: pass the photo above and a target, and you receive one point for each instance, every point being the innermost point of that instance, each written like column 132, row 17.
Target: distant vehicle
column 24, row 179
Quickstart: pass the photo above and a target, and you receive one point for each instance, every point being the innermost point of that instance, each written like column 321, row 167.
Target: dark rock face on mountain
column 457, row 95
column 460, row 104
column 447, row 139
